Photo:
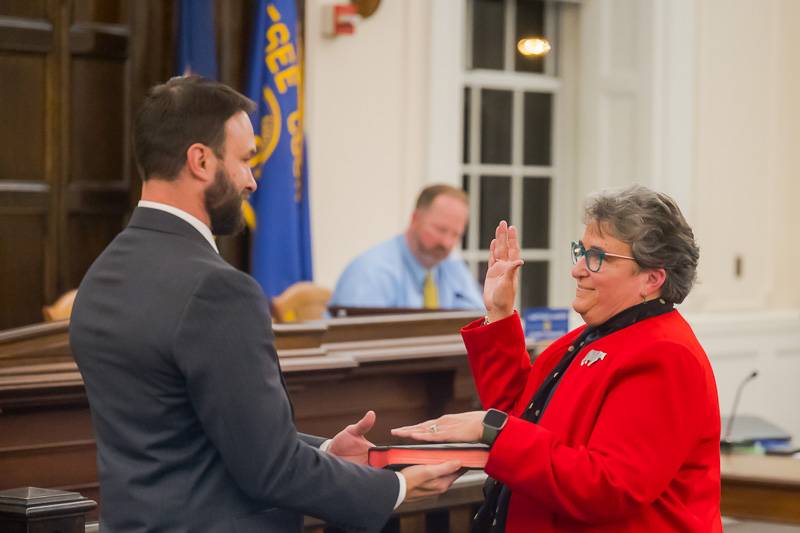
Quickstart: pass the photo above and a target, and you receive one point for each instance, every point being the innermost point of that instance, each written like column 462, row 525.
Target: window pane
column 496, row 126
column 535, row 212
column 465, row 238
column 530, row 23
column 537, row 117
column 483, row 267
column 495, row 206
column 466, row 123
column 534, row 284
column 488, row 29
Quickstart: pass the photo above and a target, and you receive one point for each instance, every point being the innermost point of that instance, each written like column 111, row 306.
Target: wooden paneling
column 400, row 394
column 96, row 199
column 64, row 124
column 37, row 427
column 24, row 198
column 25, row 35
column 106, row 11
column 49, row 465
column 22, row 258
column 98, row 134
column 22, row 157
column 73, row 72
column 23, row 8
column 88, row 236
column 27, row 243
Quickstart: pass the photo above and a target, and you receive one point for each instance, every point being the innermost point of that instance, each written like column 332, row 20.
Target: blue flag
column 278, row 212
column 197, row 47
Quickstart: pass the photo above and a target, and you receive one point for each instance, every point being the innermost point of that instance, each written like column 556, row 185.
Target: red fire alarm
column 339, row 19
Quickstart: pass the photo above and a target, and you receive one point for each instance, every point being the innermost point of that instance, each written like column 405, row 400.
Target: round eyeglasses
column 593, row 257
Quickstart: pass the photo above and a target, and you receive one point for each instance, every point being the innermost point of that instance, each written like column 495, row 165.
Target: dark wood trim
column 97, row 198
column 299, row 336
column 26, row 35
column 396, row 326
column 107, row 41
column 24, row 197
column 57, row 150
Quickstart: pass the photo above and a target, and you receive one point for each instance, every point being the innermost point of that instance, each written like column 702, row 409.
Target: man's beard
column 224, row 205
column 430, row 256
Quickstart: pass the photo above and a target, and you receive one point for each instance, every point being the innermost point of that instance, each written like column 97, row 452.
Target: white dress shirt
column 196, row 223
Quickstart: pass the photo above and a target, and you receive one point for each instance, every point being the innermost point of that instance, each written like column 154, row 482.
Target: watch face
column 494, row 418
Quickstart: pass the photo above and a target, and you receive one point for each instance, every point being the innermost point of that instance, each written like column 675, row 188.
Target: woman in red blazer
column 615, row 427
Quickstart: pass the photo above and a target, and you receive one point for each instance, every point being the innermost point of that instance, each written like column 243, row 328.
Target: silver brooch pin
column 592, row 357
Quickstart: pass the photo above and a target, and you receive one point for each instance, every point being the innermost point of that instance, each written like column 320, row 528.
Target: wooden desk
column 408, row 368
column 761, row 487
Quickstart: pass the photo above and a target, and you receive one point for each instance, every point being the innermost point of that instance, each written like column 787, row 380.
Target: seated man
column 416, row 269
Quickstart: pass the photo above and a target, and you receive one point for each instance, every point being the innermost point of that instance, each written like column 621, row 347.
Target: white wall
column 785, row 289
column 746, row 190
column 366, row 119
column 767, row 341
column 747, row 138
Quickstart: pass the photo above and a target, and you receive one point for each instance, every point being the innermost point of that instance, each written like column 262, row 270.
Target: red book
column 472, row 456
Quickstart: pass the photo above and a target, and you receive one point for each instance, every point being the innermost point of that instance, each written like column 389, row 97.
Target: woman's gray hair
column 654, row 227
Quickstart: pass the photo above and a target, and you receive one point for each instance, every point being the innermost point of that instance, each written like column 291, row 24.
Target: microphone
column 729, row 426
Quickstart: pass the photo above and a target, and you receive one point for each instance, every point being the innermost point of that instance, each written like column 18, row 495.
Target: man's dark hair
column 176, row 114
column 431, row 192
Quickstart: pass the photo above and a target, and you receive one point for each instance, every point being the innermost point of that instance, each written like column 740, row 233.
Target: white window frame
column 518, row 83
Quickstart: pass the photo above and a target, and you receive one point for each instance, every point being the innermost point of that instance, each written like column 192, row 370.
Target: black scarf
column 491, row 517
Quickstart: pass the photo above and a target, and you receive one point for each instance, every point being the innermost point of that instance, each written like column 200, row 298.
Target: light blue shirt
column 388, row 275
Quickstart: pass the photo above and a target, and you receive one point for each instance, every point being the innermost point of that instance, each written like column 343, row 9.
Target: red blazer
column 628, row 443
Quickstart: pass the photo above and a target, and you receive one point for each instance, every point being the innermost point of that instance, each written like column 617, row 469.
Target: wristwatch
column 493, row 422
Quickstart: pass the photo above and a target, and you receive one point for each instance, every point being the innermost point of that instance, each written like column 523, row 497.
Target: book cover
column 472, row 456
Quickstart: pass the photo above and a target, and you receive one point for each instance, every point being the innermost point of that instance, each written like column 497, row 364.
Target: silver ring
column 434, row 428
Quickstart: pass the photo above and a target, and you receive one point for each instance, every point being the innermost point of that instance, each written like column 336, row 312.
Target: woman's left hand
column 461, row 427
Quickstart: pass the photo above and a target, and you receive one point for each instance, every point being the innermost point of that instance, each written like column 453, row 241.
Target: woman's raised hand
column 500, row 287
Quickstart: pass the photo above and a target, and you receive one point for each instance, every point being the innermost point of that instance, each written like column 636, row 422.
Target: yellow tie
column 430, row 293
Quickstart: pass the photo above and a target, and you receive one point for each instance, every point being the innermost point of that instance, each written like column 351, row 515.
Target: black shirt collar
column 625, row 318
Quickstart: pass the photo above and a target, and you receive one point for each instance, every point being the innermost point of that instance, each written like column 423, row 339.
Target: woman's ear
column 655, row 280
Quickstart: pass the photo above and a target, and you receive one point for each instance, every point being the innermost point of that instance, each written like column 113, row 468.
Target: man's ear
column 415, row 216
column 199, row 162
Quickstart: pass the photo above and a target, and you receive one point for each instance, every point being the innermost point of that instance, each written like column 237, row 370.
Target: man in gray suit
column 194, row 428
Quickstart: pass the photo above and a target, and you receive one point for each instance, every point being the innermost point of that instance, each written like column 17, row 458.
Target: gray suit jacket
column 193, row 424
